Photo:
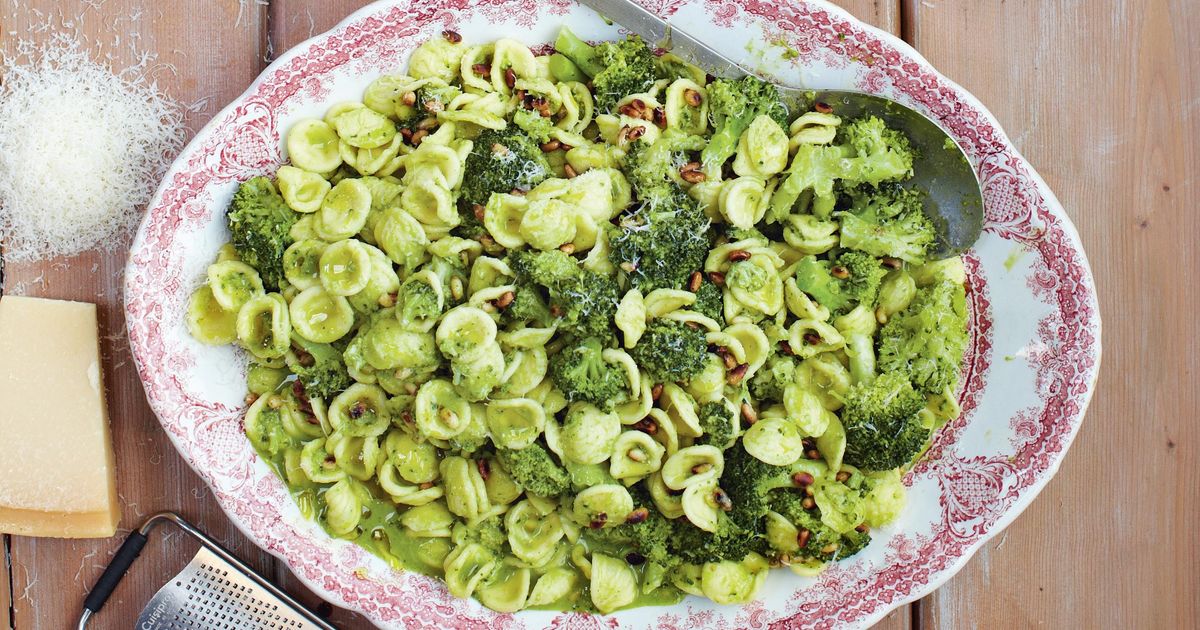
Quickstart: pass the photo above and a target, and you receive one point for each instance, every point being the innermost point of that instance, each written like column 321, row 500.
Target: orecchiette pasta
column 320, row 316
column 693, row 465
column 233, row 284
column 507, row 316
column 439, row 411
column 343, row 507
column 207, row 321
column 635, row 455
column 589, row 434
column 263, row 326
column 343, row 211
column 516, row 422
column 613, row 583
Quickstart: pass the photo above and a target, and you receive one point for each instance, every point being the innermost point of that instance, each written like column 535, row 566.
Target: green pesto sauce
column 1013, row 257
column 237, row 284
column 381, row 533
column 788, row 53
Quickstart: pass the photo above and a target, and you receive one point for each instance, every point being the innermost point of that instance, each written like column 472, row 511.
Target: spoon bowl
column 954, row 198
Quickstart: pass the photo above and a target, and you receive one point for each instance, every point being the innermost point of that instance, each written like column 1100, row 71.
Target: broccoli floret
column 888, row 221
column 416, row 301
column 751, row 484
column 545, row 269
column 617, row 69
column 719, row 424
column 501, row 161
column 670, row 350
column 528, row 305
column 883, row 153
column 653, row 168
column 730, row 542
column 320, row 369
column 883, row 428
column 769, row 381
column 660, row 246
column 435, row 97
column 489, row 532
column 710, row 302
column 853, row 542
column 259, row 221
column 851, row 279
column 586, row 304
column 533, row 123
column 822, row 542
column 535, row 469
column 666, row 238
column 581, row 374
column 652, row 537
column 469, row 226
column 628, row 68
column 734, row 233
column 584, row 301
column 866, row 151
column 755, row 488
column 649, row 538
column 732, row 105
column 925, row 342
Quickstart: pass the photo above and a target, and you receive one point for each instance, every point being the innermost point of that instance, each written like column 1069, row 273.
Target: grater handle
column 129, row 551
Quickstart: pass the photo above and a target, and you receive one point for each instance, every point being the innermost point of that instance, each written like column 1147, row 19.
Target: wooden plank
column 215, row 54
column 5, row 586
column 1102, row 97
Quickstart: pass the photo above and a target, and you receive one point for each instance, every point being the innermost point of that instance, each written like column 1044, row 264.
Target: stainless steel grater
column 215, row 591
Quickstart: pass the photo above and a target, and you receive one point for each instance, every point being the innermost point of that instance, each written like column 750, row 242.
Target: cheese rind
column 56, row 475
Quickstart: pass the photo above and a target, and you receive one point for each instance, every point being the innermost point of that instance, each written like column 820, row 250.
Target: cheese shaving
column 81, row 150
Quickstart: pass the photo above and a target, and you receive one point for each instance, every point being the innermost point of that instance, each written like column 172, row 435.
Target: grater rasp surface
column 210, row 594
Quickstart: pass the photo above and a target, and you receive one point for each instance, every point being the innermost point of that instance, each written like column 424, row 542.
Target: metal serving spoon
column 955, row 199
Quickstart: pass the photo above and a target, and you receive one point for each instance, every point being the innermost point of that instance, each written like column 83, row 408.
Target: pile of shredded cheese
column 81, row 150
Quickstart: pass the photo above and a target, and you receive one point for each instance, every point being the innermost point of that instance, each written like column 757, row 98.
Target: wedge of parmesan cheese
column 56, row 473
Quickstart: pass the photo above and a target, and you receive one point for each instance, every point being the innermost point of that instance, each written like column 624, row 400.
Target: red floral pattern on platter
column 977, row 490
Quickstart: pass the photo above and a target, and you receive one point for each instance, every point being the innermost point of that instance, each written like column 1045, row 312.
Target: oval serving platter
column 1028, row 375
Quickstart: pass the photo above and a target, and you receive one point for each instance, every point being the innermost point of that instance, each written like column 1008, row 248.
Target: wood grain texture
column 1098, row 95
column 1104, row 100
column 213, row 61
column 5, row 586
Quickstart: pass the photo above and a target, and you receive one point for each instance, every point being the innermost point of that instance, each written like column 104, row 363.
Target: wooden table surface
column 1102, row 96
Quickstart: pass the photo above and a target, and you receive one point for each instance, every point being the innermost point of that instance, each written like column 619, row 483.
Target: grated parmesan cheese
column 81, row 150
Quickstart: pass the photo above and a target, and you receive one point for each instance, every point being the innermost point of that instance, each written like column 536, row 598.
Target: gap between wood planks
column 6, row 591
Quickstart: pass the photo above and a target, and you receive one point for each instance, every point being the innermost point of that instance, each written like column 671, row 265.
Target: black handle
column 129, row 551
